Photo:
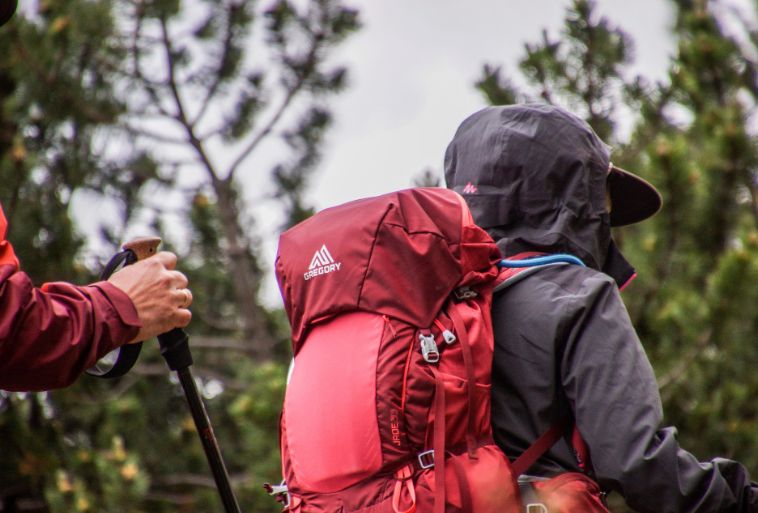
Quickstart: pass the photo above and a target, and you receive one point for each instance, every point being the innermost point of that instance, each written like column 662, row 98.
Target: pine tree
column 57, row 97
column 125, row 103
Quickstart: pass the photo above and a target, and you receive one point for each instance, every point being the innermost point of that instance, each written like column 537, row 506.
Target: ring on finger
column 187, row 297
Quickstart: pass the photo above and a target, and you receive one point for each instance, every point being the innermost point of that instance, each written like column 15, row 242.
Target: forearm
column 49, row 336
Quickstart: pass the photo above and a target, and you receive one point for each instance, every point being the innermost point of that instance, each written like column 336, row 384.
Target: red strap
column 581, row 450
column 439, row 443
column 539, row 447
column 462, row 334
column 403, row 480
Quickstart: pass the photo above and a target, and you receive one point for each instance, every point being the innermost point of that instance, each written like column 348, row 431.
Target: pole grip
column 143, row 247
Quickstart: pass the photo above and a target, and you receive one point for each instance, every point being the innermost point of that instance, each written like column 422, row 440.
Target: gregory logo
column 321, row 263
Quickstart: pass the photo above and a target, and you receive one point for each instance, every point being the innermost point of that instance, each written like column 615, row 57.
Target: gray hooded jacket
column 534, row 177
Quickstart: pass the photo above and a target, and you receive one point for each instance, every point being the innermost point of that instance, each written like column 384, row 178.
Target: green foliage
column 157, row 107
column 580, row 69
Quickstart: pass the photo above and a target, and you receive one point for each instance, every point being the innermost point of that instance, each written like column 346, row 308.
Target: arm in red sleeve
column 49, row 336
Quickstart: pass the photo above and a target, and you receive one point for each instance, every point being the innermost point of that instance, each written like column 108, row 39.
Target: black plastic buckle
column 463, row 294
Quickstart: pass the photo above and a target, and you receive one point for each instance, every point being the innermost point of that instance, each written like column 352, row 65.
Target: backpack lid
column 399, row 254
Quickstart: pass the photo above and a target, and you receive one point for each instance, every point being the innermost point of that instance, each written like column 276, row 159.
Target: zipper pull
column 446, row 333
column 429, row 349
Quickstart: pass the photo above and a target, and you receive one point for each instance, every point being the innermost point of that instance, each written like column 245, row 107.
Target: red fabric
column 332, row 434
column 581, row 450
column 538, row 448
column 49, row 336
column 368, row 250
column 7, row 256
column 489, row 480
column 570, row 493
column 361, row 282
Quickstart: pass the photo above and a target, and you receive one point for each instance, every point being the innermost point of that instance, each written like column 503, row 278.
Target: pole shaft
column 210, row 445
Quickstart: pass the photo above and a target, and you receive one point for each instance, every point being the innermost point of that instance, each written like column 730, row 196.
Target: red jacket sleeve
column 50, row 335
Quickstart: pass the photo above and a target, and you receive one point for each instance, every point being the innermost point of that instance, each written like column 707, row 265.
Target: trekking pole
column 174, row 347
column 175, row 350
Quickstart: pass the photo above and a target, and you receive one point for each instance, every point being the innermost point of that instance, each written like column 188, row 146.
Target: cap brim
column 632, row 198
column 7, row 8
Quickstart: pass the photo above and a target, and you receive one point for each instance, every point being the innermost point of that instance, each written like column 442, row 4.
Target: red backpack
column 389, row 303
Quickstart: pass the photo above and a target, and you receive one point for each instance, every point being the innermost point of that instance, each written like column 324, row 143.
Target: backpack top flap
column 399, row 254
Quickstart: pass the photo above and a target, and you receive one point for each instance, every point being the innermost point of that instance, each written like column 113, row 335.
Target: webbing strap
column 468, row 362
column 439, row 443
column 404, row 482
column 539, row 447
column 581, row 450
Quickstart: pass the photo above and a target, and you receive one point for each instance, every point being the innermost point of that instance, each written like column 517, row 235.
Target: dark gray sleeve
column 610, row 384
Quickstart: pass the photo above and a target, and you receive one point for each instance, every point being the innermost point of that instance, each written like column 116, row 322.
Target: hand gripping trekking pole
column 174, row 347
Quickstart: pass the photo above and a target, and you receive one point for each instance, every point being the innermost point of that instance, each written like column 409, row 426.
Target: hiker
column 539, row 180
column 50, row 335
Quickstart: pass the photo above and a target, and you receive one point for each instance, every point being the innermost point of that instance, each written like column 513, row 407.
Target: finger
column 179, row 280
column 182, row 318
column 166, row 258
column 184, row 297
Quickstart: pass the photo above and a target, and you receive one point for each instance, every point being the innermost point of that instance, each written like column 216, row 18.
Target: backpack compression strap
column 539, row 447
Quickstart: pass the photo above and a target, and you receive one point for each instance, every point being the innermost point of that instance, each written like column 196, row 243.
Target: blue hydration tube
column 560, row 258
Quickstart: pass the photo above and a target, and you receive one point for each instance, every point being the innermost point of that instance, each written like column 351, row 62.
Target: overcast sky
column 412, row 71
column 413, row 67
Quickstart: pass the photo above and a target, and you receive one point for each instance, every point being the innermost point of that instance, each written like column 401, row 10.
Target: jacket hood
column 535, row 177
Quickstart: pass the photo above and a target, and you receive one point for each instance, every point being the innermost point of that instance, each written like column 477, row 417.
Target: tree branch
column 287, row 100
column 144, row 132
column 149, row 85
column 211, row 92
column 181, row 116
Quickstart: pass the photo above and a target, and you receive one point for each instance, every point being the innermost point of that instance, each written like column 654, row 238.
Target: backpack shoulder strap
column 515, row 269
column 540, row 446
